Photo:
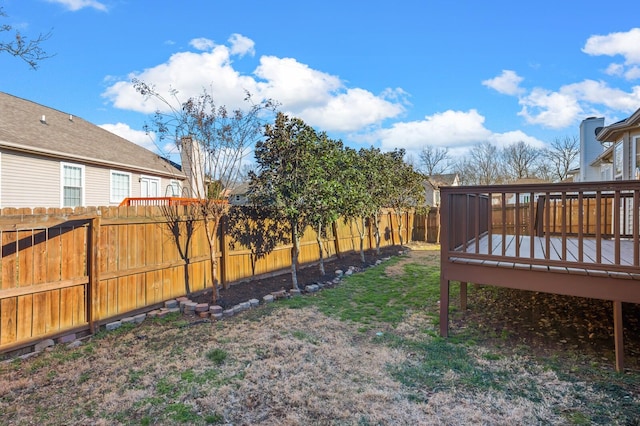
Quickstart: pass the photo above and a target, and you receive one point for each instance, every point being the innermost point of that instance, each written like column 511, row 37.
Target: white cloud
column 188, row 74
column 75, row 5
column 295, row 85
column 319, row 98
column 136, row 136
column 621, row 43
column 202, row 44
column 351, row 111
column 507, row 83
column 446, row 129
column 599, row 92
column 241, row 45
column 624, row 44
column 573, row 102
column 550, row 109
column 456, row 130
column 508, row 138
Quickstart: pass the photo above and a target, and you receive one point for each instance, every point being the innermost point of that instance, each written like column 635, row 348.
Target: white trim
column 112, row 198
column 82, row 181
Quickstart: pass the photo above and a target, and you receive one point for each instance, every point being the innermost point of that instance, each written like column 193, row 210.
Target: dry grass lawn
column 296, row 363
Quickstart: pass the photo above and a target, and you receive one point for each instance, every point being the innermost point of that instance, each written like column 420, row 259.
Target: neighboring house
column 49, row 158
column 610, row 152
column 239, row 196
column 433, row 185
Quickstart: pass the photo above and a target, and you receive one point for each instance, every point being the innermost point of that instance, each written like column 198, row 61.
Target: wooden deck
column 571, row 239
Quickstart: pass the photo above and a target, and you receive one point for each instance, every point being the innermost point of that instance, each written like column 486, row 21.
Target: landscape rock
column 202, row 307
column 254, row 302
column 139, row 318
column 67, row 339
column 170, row 304
column 215, row 309
column 268, row 298
column 113, row 325
column 74, row 344
column 40, row 346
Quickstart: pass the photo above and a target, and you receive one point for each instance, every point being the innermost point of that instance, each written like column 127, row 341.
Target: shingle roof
column 67, row 136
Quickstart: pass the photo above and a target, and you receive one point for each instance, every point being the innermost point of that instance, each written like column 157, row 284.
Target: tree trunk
column 320, row 250
column 362, row 235
column 399, row 217
column 376, row 231
column 210, row 223
column 295, row 250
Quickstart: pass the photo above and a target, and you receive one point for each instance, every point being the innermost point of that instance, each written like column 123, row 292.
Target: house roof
column 612, row 132
column 443, row 180
column 33, row 128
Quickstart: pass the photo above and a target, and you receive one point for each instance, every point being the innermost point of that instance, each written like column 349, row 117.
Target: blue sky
column 398, row 74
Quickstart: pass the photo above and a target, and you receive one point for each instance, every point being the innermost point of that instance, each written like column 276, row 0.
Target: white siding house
column 610, row 152
column 49, row 158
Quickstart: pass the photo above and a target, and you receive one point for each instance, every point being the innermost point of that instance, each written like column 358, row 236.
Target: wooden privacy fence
column 68, row 271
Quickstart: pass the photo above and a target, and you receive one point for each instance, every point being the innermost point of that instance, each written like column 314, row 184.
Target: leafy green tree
column 326, row 189
column 361, row 196
column 288, row 170
column 379, row 175
column 406, row 191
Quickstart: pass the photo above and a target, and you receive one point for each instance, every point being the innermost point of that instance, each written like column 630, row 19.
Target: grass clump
column 217, row 356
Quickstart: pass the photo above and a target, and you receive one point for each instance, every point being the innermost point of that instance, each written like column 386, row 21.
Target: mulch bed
column 310, row 274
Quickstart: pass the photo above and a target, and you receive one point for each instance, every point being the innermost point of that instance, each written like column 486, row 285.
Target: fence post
column 94, row 276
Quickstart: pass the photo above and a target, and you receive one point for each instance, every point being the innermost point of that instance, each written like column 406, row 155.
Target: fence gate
column 44, row 282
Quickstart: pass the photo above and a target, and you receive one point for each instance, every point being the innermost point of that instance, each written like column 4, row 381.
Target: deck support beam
column 618, row 337
column 463, row 296
column 444, row 307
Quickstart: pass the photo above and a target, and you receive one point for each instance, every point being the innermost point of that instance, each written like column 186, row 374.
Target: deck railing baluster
column 532, row 230
column 599, row 226
column 504, row 223
column 517, row 223
column 635, row 208
column 563, row 226
column 616, row 225
column 547, row 234
column 580, row 230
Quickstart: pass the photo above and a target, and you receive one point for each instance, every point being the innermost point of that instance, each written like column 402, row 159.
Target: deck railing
column 164, row 201
column 593, row 225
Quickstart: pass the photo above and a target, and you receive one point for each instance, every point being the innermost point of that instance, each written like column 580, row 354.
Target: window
column 173, row 189
column 120, row 186
column 72, row 185
column 636, row 170
column 617, row 161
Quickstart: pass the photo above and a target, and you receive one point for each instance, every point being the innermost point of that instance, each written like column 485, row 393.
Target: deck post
column 444, row 307
column 618, row 335
column 463, row 296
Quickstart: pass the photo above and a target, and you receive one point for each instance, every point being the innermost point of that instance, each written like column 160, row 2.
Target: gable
column 33, row 128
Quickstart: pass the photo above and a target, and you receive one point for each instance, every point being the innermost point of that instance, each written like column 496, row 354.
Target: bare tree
column 434, row 161
column 562, row 156
column 483, row 166
column 29, row 50
column 520, row 160
column 216, row 140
